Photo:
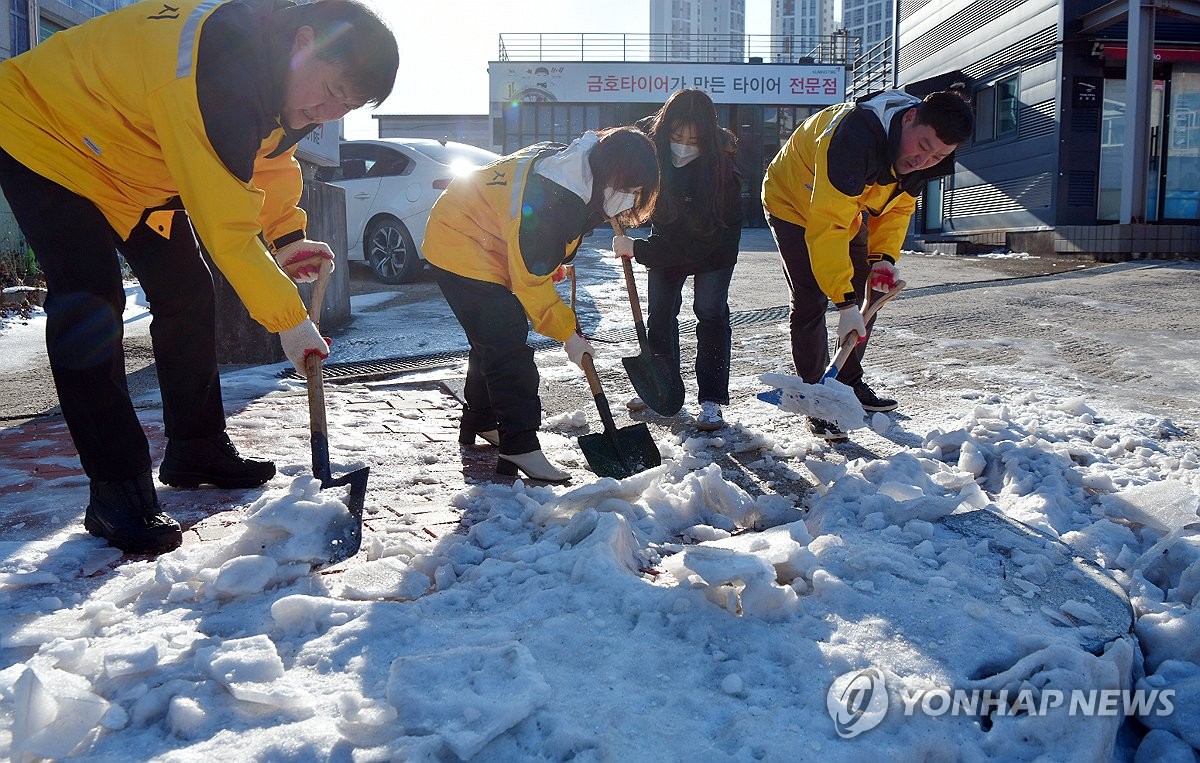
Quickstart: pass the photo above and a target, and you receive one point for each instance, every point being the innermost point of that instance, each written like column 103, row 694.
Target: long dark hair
column 715, row 164
column 624, row 158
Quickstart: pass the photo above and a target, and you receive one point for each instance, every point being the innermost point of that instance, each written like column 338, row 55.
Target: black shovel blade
column 657, row 381
column 620, row 453
column 343, row 540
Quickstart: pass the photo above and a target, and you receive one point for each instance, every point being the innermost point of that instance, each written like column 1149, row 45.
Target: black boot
column 872, row 402
column 211, row 461
column 126, row 514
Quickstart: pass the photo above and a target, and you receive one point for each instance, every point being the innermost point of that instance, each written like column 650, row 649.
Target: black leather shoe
column 211, row 461
column 126, row 514
column 826, row 430
column 872, row 402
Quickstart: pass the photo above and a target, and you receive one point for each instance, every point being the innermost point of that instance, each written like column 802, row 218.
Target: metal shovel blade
column 657, row 382
column 620, row 453
column 342, row 540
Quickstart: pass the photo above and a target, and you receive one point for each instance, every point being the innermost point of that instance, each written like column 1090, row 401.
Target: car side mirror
column 353, row 169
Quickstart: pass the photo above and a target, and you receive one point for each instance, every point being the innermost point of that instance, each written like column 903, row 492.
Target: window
column 996, row 108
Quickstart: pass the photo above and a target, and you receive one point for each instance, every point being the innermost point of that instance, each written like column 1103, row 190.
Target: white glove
column 301, row 260
column 850, row 320
column 576, row 346
column 884, row 276
column 623, row 246
column 302, row 340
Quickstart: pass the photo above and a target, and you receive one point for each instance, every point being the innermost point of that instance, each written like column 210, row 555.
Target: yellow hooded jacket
column 834, row 167
column 110, row 110
column 475, row 231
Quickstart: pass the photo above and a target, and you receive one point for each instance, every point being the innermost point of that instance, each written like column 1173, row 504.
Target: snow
column 672, row 615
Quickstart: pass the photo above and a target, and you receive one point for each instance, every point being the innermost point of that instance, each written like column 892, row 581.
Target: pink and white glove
column 303, row 340
column 301, row 260
column 850, row 321
column 884, row 276
column 623, row 246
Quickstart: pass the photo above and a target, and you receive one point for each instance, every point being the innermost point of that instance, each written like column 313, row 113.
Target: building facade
column 1048, row 162
column 697, row 30
column 536, row 99
column 868, row 20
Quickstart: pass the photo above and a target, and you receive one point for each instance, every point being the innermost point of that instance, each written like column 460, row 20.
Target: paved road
column 758, row 283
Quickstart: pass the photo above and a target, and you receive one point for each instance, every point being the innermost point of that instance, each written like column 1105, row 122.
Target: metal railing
column 837, row 48
column 871, row 71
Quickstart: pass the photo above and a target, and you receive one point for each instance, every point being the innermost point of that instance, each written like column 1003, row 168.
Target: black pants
column 502, row 378
column 710, row 303
column 810, row 339
column 77, row 251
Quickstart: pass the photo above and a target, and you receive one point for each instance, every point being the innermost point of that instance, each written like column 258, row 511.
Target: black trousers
column 714, row 336
column 810, row 338
column 502, row 378
column 77, row 251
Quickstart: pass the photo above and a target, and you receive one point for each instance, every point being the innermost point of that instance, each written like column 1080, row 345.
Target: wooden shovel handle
column 847, row 347
column 589, row 370
column 635, row 303
column 312, row 364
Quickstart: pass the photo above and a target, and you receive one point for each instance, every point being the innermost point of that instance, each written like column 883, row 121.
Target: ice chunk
column 726, row 571
column 51, row 724
column 276, row 694
column 23, row 579
column 185, row 716
column 899, row 491
column 136, row 655
column 1164, row 505
column 386, row 578
column 468, row 696
column 244, row 575
column 241, row 659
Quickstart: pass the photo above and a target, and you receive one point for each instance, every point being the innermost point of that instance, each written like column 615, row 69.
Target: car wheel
column 390, row 251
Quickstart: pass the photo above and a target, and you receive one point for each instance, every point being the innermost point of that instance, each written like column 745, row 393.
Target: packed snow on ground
column 667, row 616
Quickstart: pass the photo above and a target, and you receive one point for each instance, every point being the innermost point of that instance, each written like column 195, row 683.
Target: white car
column 391, row 184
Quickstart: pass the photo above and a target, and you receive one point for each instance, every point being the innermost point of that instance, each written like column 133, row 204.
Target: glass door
column 1112, row 150
column 1181, row 182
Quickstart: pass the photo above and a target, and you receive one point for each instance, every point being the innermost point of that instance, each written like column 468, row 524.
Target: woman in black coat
column 696, row 228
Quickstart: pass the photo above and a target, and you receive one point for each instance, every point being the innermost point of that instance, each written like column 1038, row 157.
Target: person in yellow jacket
column 496, row 240
column 868, row 157
column 134, row 133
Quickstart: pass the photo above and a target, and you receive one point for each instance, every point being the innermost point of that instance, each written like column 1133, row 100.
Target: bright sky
column 444, row 54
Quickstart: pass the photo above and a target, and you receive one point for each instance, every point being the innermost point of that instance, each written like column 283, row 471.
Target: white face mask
column 616, row 202
column 681, row 154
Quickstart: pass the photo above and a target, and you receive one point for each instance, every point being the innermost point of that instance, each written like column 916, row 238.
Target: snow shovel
column 616, row 453
column 655, row 377
column 342, row 541
column 775, row 396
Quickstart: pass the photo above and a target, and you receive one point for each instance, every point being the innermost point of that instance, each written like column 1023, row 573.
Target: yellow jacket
column 505, row 225
column 110, row 110
column 836, row 166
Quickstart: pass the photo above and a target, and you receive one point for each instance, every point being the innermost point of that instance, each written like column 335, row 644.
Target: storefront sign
column 585, row 82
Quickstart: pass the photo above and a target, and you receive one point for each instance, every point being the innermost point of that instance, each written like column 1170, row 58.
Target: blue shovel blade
column 772, row 396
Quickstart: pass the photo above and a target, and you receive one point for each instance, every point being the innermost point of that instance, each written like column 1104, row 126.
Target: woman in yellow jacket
column 496, row 239
column 120, row 135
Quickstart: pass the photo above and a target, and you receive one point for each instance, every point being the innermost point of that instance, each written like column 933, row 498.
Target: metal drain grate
column 371, row 370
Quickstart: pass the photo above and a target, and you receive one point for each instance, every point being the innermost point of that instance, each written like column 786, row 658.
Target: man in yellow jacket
column 872, row 156
column 134, row 133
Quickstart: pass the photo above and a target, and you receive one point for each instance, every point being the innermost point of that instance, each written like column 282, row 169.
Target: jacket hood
column 887, row 105
column 569, row 168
